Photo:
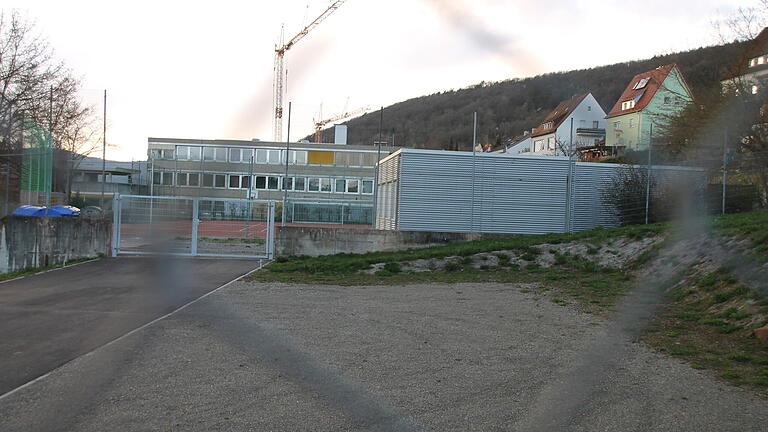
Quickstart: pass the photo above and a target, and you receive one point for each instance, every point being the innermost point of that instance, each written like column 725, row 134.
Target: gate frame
column 117, row 207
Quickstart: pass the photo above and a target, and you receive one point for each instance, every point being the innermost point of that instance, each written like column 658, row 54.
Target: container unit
column 443, row 191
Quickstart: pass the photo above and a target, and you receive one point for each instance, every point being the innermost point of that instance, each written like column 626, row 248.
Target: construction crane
column 279, row 80
column 319, row 124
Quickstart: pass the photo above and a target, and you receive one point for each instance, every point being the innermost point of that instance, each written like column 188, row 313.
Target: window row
column 264, row 182
column 266, row 156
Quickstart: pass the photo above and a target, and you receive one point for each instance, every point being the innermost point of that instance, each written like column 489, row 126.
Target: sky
column 200, row 69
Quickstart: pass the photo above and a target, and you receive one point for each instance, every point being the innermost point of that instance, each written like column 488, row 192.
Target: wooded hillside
column 507, row 108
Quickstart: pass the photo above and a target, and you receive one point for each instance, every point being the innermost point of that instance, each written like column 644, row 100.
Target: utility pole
column 376, row 171
column 104, row 155
column 474, row 145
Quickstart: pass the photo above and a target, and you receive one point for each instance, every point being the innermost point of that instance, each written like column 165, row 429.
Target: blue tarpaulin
column 53, row 211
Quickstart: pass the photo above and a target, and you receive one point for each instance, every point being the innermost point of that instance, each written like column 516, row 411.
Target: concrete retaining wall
column 28, row 241
column 316, row 241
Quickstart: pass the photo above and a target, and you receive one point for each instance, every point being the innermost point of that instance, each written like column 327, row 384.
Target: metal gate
column 193, row 226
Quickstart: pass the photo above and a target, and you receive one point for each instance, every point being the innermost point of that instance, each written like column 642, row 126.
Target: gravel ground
column 487, row 357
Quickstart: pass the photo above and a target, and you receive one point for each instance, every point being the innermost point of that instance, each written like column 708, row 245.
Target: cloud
column 461, row 16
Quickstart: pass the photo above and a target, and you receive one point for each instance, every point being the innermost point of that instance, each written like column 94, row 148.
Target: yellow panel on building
column 320, row 157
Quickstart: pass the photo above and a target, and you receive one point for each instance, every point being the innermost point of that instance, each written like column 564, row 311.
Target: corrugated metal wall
column 426, row 190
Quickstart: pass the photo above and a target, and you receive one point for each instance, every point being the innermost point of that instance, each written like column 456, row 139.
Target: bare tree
column 38, row 98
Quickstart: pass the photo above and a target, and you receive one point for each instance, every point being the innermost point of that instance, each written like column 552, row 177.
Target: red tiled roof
column 645, row 94
column 558, row 115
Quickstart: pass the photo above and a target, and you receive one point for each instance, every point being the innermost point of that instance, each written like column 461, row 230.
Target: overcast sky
column 194, row 69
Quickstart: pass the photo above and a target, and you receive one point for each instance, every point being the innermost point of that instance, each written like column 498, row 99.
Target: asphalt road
column 278, row 357
column 51, row 318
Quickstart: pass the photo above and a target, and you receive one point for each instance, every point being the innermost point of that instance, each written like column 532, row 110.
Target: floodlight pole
column 285, row 178
column 104, row 155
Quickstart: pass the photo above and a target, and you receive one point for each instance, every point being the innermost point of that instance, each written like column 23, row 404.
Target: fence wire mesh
column 194, row 226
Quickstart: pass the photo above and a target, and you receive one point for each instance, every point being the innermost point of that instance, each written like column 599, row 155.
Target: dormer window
column 548, row 125
column 641, row 84
column 628, row 104
column 761, row 60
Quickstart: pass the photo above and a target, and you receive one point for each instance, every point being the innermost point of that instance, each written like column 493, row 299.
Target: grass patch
column 33, row 270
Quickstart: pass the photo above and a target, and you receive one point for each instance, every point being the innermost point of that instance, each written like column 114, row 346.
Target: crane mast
column 279, row 68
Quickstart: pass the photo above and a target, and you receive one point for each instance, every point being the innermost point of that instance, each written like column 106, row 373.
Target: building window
column 595, row 124
column 325, row 185
column 207, row 153
column 628, row 104
column 220, row 180
column 167, row 178
column 753, row 62
column 181, row 179
column 261, row 182
column 368, row 187
column 273, row 157
column 288, row 183
column 353, row 186
column 589, row 107
column 261, row 156
column 299, row 184
column 617, row 125
column 341, row 186
column 314, row 185
column 667, row 100
column 273, row 183
column 631, row 123
column 221, row 154
column 761, row 60
column 235, row 155
column 551, row 143
column 301, row 158
column 193, row 179
column 182, row 152
column 207, row 180
column 582, row 123
column 234, row 181
column 538, row 145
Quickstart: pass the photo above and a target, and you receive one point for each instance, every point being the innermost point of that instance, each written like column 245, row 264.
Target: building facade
column 319, row 175
column 649, row 100
column 554, row 136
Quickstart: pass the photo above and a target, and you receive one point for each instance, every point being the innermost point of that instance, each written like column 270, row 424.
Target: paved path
column 54, row 317
column 278, row 357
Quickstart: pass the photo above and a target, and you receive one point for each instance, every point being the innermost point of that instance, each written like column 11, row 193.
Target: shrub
column 392, row 267
column 452, row 267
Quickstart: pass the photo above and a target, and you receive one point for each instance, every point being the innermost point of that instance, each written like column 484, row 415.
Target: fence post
column 725, row 173
column 195, row 224
column 116, row 210
column 648, row 181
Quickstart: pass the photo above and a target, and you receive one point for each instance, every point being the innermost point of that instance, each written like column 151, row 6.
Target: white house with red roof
column 554, row 135
column 647, row 103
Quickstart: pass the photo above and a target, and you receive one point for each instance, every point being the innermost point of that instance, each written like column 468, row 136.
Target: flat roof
column 251, row 143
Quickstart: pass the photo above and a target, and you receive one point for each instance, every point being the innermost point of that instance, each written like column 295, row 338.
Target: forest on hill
column 507, row 108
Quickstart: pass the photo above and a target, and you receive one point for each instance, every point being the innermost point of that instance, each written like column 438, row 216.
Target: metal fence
column 425, row 190
column 193, row 226
column 328, row 212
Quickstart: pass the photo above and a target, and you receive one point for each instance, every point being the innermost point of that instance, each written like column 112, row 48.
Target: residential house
column 648, row 102
column 554, row 135
column 750, row 72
